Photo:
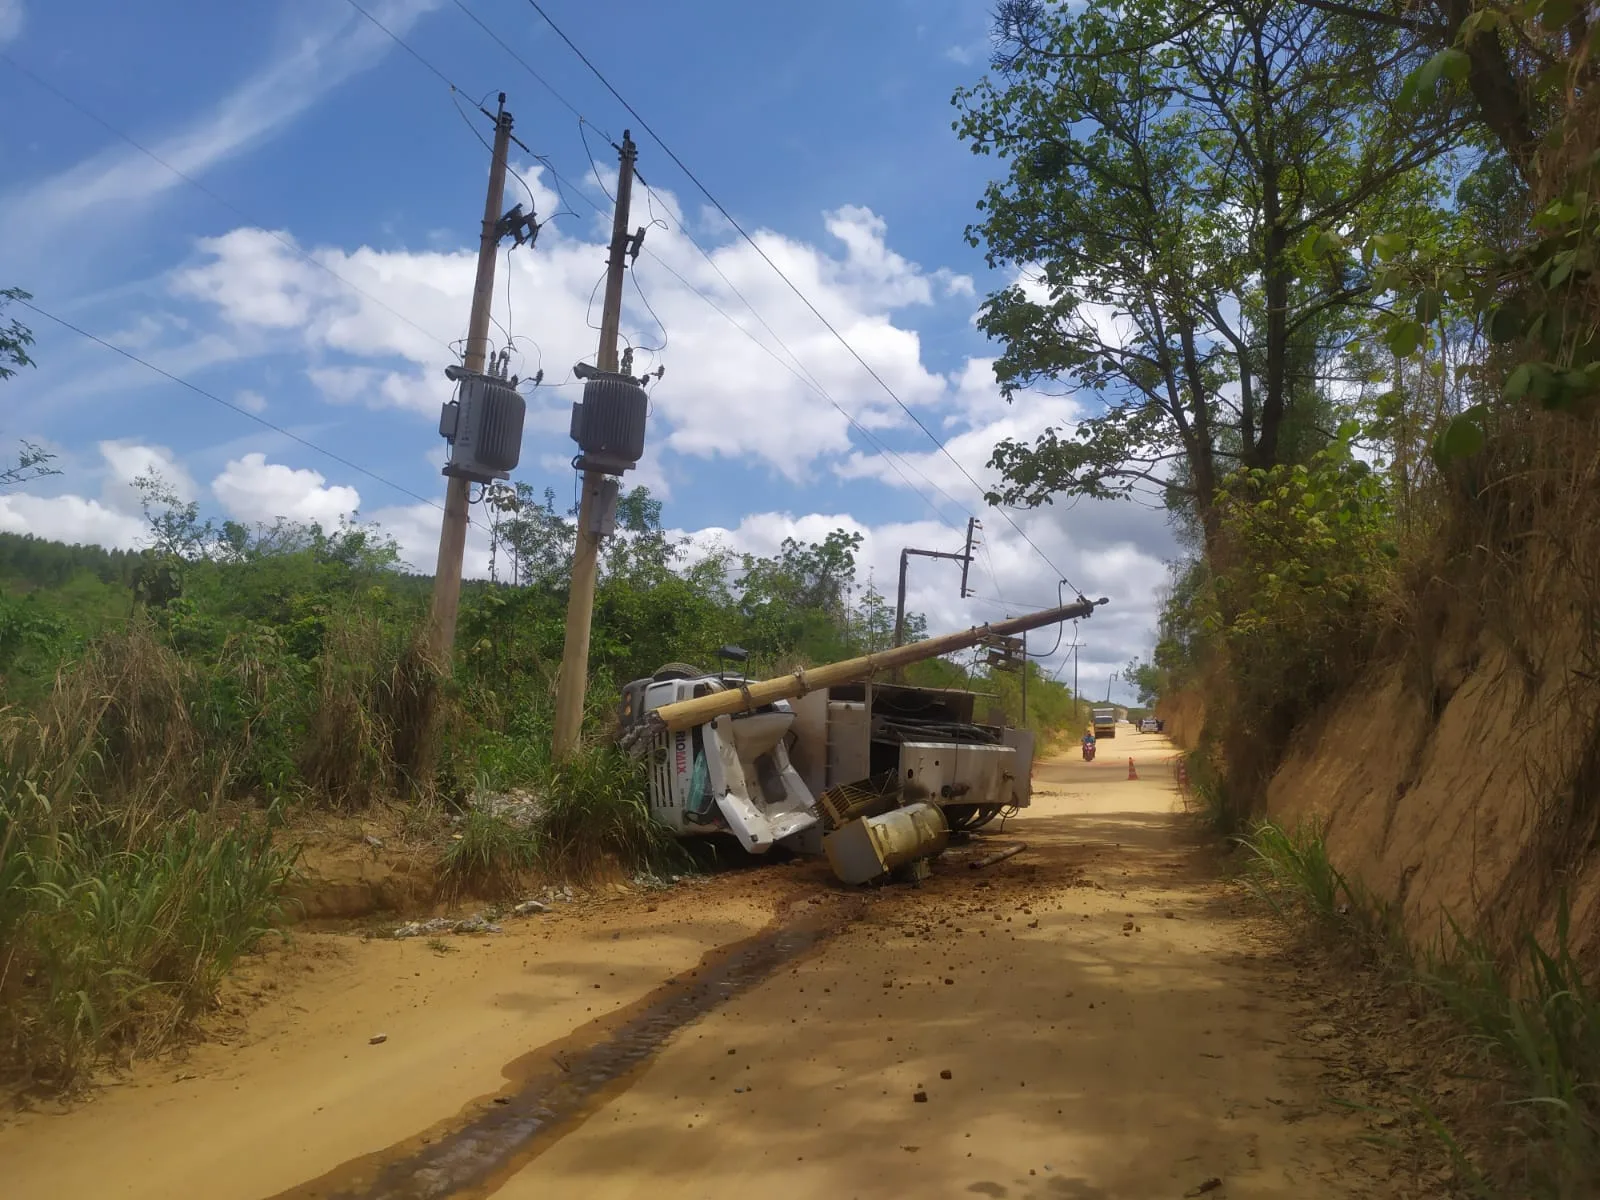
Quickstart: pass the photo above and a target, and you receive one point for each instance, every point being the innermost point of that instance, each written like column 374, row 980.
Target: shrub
column 115, row 935
column 594, row 816
column 488, row 854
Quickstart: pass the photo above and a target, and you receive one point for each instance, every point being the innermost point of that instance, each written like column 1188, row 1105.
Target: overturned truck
column 837, row 759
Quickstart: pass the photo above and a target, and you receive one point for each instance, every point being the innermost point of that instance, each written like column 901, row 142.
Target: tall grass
column 488, row 854
column 1292, row 872
column 1533, row 1016
column 372, row 725
column 595, row 816
column 1210, row 796
column 115, row 936
column 1537, row 1016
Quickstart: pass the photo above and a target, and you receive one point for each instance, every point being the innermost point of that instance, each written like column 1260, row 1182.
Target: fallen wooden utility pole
column 688, row 713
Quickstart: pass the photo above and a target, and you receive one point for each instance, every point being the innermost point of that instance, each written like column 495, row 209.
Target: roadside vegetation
column 1530, row 1020
column 1332, row 270
column 171, row 716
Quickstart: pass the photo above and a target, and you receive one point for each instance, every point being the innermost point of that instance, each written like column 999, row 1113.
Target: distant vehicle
column 1105, row 722
column 1149, row 725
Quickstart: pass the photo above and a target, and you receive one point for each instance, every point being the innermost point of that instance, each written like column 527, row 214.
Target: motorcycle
column 1088, row 751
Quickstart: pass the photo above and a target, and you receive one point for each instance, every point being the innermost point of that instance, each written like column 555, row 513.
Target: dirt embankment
column 1184, row 716
column 1458, row 782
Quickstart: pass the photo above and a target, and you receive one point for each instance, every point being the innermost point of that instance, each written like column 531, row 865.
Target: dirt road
column 1088, row 1020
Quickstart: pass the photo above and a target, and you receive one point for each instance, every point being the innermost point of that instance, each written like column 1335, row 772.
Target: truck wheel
column 676, row 670
column 959, row 816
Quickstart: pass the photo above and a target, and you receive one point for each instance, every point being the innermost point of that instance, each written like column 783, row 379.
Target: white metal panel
column 957, row 773
column 849, row 742
column 810, row 751
column 1021, row 740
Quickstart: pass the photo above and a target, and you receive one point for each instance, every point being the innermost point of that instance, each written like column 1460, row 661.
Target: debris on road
column 989, row 860
column 476, row 923
column 377, row 1039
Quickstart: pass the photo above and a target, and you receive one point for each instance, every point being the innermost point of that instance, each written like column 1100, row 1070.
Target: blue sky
column 823, row 128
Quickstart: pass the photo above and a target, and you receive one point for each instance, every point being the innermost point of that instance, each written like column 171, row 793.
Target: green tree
column 1183, row 185
column 1145, row 679
column 33, row 462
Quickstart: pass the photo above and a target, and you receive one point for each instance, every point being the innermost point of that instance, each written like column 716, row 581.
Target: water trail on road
column 557, row 1086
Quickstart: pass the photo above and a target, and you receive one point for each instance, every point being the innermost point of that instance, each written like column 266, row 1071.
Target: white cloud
column 251, row 401
column 415, row 529
column 252, row 490
column 342, row 45
column 71, row 519
column 128, row 461
column 730, row 391
column 11, row 20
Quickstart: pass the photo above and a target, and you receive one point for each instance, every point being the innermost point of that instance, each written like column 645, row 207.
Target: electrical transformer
column 608, row 424
column 483, row 425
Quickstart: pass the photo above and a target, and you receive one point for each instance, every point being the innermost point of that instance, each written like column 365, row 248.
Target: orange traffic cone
column 1132, row 774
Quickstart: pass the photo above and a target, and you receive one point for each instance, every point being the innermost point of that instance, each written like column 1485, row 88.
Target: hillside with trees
column 1331, row 268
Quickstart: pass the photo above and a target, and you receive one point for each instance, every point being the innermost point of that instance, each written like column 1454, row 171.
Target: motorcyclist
column 1088, row 742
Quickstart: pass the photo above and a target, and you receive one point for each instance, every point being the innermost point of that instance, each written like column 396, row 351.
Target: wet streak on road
column 557, row 1086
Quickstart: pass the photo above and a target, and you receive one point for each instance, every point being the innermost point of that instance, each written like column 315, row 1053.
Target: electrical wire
column 216, row 399
column 588, row 311
column 399, row 41
column 1060, row 625
column 522, row 62
column 594, row 167
column 178, row 173
column 889, row 456
column 660, row 324
column 797, row 368
column 804, row 299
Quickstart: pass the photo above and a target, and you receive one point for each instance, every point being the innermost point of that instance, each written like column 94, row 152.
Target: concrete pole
column 574, row 679
column 453, row 529
column 1024, row 679
column 900, row 601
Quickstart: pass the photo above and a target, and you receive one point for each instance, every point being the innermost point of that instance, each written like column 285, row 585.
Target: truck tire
column 676, row 670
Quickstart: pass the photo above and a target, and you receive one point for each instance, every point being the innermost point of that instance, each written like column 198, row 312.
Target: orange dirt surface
column 1093, row 1018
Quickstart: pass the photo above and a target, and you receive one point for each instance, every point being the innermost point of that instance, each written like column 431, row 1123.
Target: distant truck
column 1105, row 722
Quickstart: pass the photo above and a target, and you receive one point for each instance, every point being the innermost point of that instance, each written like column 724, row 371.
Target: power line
column 804, row 299
column 860, row 428
column 222, row 200
column 228, row 404
column 522, row 62
column 798, row 369
column 399, row 41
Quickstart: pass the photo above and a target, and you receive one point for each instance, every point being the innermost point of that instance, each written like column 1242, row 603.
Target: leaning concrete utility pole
column 574, row 678
column 900, row 592
column 453, row 530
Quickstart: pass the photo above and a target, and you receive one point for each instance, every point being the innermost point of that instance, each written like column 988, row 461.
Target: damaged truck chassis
column 829, row 759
